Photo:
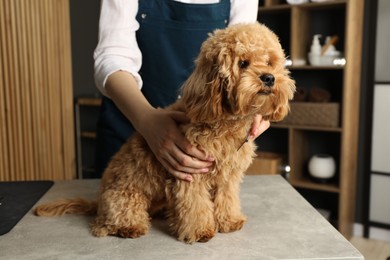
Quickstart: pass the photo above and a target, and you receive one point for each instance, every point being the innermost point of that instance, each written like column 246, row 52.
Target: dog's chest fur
column 226, row 142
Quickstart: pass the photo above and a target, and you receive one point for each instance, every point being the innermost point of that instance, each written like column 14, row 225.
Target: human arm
column 117, row 62
column 243, row 11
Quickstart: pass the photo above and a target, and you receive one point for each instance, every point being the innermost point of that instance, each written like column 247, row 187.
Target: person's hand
column 158, row 127
column 258, row 127
column 170, row 146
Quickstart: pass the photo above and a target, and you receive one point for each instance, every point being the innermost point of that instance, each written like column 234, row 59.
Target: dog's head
column 240, row 72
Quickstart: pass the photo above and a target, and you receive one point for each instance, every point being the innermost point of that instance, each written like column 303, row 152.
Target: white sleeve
column 243, row 11
column 117, row 48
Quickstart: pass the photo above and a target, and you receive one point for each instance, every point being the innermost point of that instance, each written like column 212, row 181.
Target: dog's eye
column 243, row 64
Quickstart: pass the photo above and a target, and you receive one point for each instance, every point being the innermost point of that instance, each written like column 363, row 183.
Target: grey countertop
column 281, row 225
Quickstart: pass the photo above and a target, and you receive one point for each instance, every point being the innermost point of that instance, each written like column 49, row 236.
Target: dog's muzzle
column 268, row 79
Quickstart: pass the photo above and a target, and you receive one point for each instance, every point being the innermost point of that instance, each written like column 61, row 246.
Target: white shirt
column 118, row 49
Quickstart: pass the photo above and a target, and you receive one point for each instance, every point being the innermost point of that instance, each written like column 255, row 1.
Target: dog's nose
column 268, row 79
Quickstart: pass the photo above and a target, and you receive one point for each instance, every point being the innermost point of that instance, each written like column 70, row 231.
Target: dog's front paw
column 203, row 235
column 125, row 232
column 132, row 232
column 230, row 224
column 100, row 231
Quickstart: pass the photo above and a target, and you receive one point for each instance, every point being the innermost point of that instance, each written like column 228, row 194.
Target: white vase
column 322, row 166
column 297, row 2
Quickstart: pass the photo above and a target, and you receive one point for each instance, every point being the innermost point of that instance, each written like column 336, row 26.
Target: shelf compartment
column 329, row 80
column 87, row 158
column 274, row 140
column 334, row 26
column 303, row 144
column 278, row 25
column 88, row 113
column 323, row 200
column 310, row 184
column 86, row 117
column 311, row 19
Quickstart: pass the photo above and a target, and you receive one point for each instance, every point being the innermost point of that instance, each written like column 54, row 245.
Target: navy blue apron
column 170, row 36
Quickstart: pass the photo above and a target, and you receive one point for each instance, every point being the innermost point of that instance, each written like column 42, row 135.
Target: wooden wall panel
column 36, row 97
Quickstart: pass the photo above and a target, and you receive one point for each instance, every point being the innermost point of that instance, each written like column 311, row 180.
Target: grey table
column 281, row 225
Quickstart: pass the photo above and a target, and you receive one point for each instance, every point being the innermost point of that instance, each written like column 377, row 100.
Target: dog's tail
column 67, row 206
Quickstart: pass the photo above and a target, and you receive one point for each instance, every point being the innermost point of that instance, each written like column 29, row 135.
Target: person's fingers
column 258, row 127
column 173, row 150
column 264, row 125
column 179, row 117
column 256, row 123
column 184, row 163
column 192, row 151
column 177, row 174
column 186, row 146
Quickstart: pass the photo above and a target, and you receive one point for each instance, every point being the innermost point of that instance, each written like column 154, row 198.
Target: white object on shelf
column 315, row 51
column 320, row 1
column 315, row 47
column 297, row 2
column 328, row 58
column 322, row 166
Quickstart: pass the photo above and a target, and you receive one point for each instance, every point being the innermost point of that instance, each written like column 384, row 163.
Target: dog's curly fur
column 240, row 72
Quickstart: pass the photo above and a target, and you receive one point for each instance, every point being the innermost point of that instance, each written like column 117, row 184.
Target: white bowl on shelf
column 297, row 2
column 321, row 1
column 322, row 166
column 323, row 60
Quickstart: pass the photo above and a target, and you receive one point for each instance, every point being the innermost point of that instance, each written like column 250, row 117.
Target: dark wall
column 84, row 15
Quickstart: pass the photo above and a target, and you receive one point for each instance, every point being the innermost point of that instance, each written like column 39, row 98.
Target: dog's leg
column 122, row 213
column 190, row 211
column 227, row 207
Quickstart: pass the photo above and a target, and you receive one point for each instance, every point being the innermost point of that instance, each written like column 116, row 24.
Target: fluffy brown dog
column 239, row 73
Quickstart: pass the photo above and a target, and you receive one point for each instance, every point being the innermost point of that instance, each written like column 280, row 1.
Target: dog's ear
column 203, row 95
column 206, row 93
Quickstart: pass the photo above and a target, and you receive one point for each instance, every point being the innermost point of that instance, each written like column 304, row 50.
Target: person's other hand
column 259, row 126
column 170, row 146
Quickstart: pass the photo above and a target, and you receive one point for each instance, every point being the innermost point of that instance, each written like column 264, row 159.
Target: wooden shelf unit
column 295, row 25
